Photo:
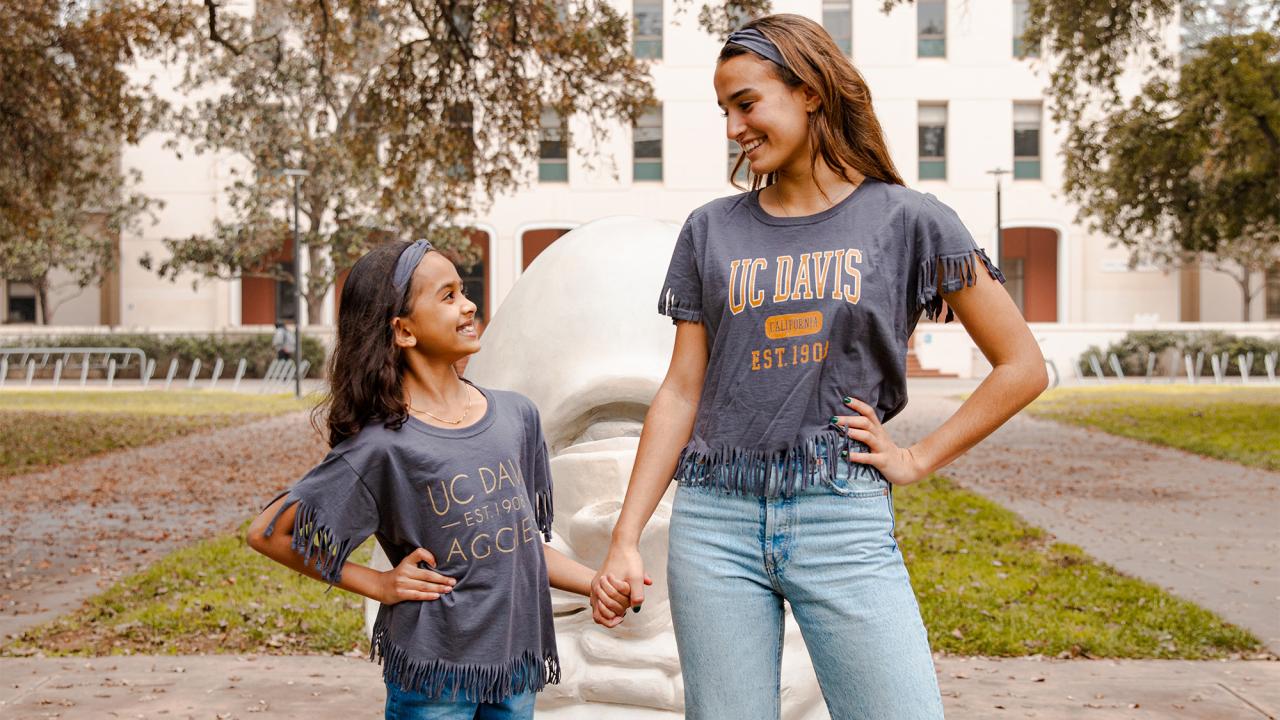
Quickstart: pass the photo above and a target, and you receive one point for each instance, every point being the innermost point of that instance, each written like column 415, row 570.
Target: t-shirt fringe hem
column 527, row 672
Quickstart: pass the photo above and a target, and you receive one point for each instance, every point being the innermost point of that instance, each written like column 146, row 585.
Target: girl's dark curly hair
column 364, row 370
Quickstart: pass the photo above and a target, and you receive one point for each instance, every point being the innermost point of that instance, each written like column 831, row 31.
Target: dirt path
column 66, row 532
column 1205, row 529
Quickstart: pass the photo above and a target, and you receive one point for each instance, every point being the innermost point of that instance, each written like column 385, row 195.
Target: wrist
column 919, row 461
column 383, row 588
column 624, row 539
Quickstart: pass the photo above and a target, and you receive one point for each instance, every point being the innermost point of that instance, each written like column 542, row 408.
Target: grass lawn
column 41, row 429
column 217, row 596
column 1237, row 423
column 988, row 585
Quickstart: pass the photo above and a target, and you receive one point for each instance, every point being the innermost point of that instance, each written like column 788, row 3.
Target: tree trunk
column 315, row 290
column 1245, row 293
column 44, row 314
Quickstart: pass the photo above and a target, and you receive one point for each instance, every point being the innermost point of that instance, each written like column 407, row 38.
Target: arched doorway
column 535, row 240
column 1029, row 260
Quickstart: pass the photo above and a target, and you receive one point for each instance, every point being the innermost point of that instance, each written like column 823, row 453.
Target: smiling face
column 764, row 116
column 441, row 320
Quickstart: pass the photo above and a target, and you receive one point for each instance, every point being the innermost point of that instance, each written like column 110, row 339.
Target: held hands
column 619, row 584
column 898, row 465
column 408, row 581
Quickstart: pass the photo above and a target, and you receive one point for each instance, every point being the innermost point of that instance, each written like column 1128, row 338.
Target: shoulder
column 512, row 402
column 718, row 210
column 894, row 197
column 367, row 449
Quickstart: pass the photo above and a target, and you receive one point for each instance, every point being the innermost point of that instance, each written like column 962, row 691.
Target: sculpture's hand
column 618, row 584
column 898, row 465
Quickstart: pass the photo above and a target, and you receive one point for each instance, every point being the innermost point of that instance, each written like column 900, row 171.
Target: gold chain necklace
column 786, row 212
column 465, row 410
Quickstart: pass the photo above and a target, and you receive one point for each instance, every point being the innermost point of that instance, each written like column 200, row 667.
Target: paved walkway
column 324, row 688
column 1205, row 529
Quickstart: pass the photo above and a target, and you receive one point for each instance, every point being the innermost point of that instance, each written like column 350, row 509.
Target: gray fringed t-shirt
column 801, row 312
column 478, row 498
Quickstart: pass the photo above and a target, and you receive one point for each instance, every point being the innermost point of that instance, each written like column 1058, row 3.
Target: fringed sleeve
column 335, row 514
column 537, row 475
column 681, row 296
column 946, row 258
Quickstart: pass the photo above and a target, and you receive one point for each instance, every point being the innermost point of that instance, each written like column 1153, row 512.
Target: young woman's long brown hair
column 844, row 131
column 364, row 370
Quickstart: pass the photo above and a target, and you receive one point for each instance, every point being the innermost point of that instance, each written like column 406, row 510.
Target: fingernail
column 635, row 609
column 834, row 420
column 844, row 453
column 847, row 399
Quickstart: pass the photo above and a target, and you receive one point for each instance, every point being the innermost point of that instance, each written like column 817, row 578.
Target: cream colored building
column 937, row 68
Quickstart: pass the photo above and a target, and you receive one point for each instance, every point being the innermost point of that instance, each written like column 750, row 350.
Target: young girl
column 794, row 304
column 454, row 482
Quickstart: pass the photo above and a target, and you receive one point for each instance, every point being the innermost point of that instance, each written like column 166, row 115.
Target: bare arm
column 406, row 581
column 565, row 573
column 667, row 427
column 1017, row 377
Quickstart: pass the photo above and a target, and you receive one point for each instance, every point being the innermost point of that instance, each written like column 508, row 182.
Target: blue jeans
column 829, row 552
column 407, row 705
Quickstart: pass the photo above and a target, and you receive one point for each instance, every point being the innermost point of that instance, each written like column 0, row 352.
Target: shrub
column 255, row 348
column 1132, row 349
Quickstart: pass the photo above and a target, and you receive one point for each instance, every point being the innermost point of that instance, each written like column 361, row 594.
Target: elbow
column 257, row 537
column 1037, row 379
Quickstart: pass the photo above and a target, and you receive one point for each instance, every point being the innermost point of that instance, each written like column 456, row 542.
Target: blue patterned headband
column 408, row 262
column 755, row 41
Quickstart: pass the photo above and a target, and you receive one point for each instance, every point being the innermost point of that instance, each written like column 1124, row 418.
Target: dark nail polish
column 847, row 400
column 834, row 420
column 844, row 453
column 635, row 609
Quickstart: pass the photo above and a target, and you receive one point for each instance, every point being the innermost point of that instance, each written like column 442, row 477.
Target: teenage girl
column 454, row 482
column 793, row 305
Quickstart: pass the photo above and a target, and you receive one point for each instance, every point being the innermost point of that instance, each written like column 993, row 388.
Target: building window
column 1021, row 13
column 1026, row 141
column 743, row 176
column 933, row 142
column 22, row 302
column 461, row 122
column 475, row 279
column 286, row 300
column 931, row 26
column 646, row 145
column 553, row 151
column 646, row 28
column 837, row 19
column 1272, row 292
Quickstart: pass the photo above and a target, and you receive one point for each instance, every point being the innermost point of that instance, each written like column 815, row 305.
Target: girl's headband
column 407, row 263
column 755, row 41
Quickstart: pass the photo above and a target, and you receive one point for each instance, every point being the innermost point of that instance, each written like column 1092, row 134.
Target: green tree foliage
column 407, row 115
column 67, row 101
column 1190, row 167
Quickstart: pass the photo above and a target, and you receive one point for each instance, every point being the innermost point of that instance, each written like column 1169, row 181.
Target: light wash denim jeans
column 829, row 551
column 406, row 705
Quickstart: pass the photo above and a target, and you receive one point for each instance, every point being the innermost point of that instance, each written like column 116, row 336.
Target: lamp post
column 297, row 176
column 998, row 172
